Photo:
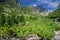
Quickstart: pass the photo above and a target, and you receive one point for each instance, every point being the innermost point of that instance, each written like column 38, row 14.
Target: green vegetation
column 19, row 23
column 55, row 13
column 43, row 27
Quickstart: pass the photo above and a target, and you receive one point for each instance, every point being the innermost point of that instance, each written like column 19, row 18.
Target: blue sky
column 48, row 4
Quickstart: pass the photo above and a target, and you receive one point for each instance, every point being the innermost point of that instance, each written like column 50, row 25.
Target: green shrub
column 55, row 13
column 43, row 27
column 3, row 31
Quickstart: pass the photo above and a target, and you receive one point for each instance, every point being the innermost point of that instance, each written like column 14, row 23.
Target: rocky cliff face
column 40, row 8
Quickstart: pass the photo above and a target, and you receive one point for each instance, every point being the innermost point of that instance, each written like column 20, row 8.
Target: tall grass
column 43, row 27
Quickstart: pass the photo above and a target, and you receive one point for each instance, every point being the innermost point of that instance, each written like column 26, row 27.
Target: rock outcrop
column 57, row 35
column 28, row 37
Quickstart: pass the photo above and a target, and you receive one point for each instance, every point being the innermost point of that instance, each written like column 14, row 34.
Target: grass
column 43, row 27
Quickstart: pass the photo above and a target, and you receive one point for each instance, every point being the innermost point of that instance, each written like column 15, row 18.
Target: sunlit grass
column 42, row 27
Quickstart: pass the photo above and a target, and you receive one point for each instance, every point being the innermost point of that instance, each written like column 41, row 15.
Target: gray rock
column 28, row 37
column 57, row 35
column 33, row 37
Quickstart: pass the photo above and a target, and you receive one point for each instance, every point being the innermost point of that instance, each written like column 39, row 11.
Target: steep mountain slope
column 40, row 8
column 55, row 13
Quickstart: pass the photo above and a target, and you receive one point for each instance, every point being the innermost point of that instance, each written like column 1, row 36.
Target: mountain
column 10, row 3
column 55, row 14
column 40, row 8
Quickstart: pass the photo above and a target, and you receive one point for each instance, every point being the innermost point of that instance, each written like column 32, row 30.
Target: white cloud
column 45, row 1
column 53, row 4
column 34, row 5
column 50, row 4
column 48, row 1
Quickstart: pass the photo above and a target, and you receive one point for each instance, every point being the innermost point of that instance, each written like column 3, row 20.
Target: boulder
column 31, row 37
column 57, row 35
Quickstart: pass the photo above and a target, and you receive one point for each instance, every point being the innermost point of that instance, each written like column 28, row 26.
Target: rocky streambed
column 29, row 37
column 9, row 38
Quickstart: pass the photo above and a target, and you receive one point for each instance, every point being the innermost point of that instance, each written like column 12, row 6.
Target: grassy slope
column 42, row 27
